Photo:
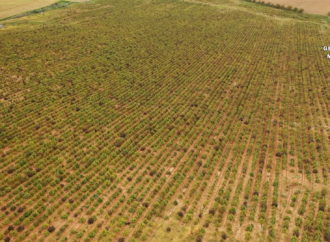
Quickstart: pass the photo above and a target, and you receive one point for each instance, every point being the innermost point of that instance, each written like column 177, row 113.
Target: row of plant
column 184, row 119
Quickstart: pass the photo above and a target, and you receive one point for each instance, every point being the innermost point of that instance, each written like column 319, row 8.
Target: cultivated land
column 310, row 6
column 12, row 7
column 165, row 121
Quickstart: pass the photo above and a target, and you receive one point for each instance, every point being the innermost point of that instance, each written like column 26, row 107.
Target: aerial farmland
column 164, row 120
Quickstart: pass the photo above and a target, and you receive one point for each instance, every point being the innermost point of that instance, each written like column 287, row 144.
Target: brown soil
column 309, row 6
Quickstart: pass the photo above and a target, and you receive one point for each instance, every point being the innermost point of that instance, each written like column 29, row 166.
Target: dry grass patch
column 9, row 8
column 309, row 6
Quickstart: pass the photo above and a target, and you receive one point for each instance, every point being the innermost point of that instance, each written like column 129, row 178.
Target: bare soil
column 309, row 6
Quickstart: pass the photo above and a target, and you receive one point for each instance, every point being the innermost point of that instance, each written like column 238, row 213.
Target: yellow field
column 13, row 7
column 310, row 6
column 9, row 8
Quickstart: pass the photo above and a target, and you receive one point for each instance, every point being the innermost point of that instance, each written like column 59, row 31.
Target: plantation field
column 310, row 6
column 165, row 120
column 12, row 7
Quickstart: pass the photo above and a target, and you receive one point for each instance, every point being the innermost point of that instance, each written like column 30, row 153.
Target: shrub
column 122, row 135
column 327, row 235
column 51, row 229
column 118, row 143
column 296, row 232
column 20, row 228
column 212, row 211
column 180, row 214
column 232, row 211
column 249, row 228
column 90, row 220
column 322, row 205
column 199, row 238
column 10, row 228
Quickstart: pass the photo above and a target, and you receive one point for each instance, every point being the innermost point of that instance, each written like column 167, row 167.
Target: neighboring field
column 12, row 7
column 165, row 121
column 310, row 6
